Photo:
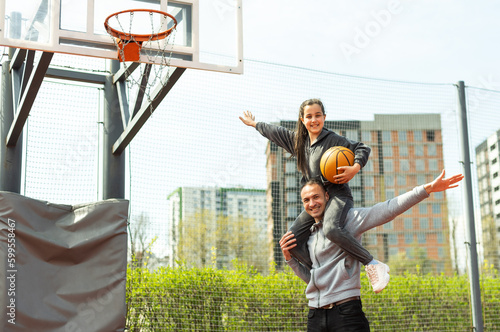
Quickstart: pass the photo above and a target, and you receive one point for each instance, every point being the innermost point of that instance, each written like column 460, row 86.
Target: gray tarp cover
column 63, row 268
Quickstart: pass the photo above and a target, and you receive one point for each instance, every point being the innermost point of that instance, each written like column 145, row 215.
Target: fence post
column 475, row 290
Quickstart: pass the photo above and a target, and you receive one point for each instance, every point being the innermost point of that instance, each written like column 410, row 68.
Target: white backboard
column 208, row 35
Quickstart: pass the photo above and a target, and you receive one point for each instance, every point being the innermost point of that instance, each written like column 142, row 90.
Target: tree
column 140, row 241
column 419, row 263
column 205, row 240
column 196, row 239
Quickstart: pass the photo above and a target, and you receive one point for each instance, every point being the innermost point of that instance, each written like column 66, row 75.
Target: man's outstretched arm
column 364, row 219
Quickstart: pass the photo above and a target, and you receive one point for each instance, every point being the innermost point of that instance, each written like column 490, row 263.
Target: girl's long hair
column 301, row 135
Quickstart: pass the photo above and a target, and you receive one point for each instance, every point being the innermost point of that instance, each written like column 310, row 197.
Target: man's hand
column 248, row 119
column 287, row 242
column 346, row 173
column 442, row 184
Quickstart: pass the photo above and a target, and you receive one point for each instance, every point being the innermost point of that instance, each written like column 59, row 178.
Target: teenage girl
column 308, row 143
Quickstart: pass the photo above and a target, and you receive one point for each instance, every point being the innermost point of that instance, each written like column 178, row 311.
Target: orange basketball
column 334, row 157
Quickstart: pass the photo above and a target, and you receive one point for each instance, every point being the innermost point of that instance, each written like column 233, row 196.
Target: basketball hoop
column 129, row 39
column 142, row 37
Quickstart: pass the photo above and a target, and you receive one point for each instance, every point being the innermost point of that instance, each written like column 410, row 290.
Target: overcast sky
column 424, row 41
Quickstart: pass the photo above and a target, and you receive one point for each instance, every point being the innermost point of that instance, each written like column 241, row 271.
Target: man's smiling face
column 314, row 199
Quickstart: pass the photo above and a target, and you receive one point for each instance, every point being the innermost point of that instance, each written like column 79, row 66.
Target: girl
column 308, row 143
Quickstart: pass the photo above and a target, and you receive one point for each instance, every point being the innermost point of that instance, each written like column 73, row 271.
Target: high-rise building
column 207, row 208
column 407, row 150
column 488, row 170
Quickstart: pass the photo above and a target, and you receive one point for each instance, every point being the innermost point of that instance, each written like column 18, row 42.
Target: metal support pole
column 10, row 156
column 477, row 317
column 113, row 164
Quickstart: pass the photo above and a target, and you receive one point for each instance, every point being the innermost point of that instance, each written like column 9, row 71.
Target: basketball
column 334, row 157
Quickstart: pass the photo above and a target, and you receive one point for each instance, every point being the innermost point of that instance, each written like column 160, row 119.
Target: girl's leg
column 333, row 223
column 301, row 229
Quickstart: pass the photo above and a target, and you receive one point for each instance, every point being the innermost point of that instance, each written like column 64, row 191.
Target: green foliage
column 241, row 299
column 219, row 239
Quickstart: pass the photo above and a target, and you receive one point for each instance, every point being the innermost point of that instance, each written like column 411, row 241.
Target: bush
column 207, row 299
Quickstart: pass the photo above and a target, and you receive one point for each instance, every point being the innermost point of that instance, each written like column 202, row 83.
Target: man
column 333, row 282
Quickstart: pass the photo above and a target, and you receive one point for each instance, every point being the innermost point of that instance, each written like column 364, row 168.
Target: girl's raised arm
column 248, row 119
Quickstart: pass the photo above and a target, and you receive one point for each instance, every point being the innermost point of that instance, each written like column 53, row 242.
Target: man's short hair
column 314, row 181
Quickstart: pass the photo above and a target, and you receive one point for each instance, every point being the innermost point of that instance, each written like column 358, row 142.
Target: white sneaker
column 378, row 274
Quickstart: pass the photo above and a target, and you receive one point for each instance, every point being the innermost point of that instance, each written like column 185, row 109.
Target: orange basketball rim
column 129, row 43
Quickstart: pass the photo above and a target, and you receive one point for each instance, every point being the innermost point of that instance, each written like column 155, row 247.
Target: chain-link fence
column 210, row 197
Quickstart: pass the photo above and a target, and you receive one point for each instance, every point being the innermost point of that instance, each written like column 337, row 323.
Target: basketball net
column 144, row 57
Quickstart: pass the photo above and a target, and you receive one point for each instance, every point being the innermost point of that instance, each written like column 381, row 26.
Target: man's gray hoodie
column 335, row 275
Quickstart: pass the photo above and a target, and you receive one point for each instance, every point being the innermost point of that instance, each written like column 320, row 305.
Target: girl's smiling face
column 313, row 120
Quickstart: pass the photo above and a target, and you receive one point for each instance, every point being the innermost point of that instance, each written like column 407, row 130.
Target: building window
column 388, row 225
column 409, row 238
column 420, row 179
column 438, row 195
column 393, row 252
column 386, row 136
column 440, row 238
column 389, row 194
column 430, row 134
column 437, row 223
column 352, row 134
column 389, row 181
column 421, row 238
column 393, row 239
column 417, row 135
column 436, row 208
column 497, row 188
column 408, row 223
column 355, row 182
column 409, row 211
column 495, row 175
column 369, row 195
column 401, row 180
column 497, row 202
column 431, row 150
column 433, row 164
column 290, row 167
column 388, row 166
column 369, row 182
column 366, row 136
column 420, row 164
column 404, row 165
column 402, row 135
column 492, row 147
column 387, row 150
column 494, row 161
column 291, row 197
column 419, row 150
column 409, row 253
column 368, row 167
column 403, row 150
column 291, row 181
column 292, row 211
column 422, row 208
column 424, row 223
column 440, row 252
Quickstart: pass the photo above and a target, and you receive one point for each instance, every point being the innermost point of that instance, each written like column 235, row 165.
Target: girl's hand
column 248, row 119
column 346, row 173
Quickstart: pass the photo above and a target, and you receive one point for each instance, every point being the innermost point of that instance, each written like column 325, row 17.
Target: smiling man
column 333, row 282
